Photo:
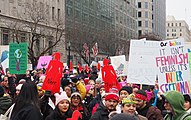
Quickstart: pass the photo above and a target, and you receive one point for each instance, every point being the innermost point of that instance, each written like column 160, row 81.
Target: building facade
column 177, row 29
column 151, row 17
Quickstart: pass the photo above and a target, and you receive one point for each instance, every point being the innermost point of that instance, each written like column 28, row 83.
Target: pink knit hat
column 88, row 87
column 60, row 97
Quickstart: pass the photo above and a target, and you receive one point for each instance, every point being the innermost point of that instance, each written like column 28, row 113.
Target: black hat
column 123, row 116
column 187, row 98
column 1, row 91
column 126, row 88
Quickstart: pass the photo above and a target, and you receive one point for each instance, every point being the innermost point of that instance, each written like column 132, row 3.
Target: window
column 180, row 34
column 52, row 13
column 58, row 13
column 140, row 32
column 139, row 4
column 146, row 24
column 176, row 24
column 146, row 5
column 139, row 23
column 139, row 14
column 5, row 37
column 146, row 14
column 172, row 24
column 38, row 45
column 50, row 44
column 23, row 37
column 179, row 24
column 168, row 24
column 180, row 30
column 167, row 34
column 69, row 11
column 167, row 30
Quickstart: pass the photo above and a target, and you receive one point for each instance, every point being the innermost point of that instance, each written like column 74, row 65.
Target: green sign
column 18, row 58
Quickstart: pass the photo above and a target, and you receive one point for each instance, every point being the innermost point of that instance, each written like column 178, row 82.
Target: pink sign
column 44, row 61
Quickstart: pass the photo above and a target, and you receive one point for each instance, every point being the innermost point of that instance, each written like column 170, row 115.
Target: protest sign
column 119, row 65
column 18, row 58
column 142, row 68
column 173, row 66
column 4, row 55
column 44, row 61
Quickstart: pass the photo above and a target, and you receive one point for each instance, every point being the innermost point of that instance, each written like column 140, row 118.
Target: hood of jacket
column 176, row 100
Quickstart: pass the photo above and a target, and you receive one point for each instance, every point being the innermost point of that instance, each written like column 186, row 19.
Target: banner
column 173, row 66
column 44, row 61
column 142, row 68
column 4, row 55
column 18, row 58
column 95, row 49
column 119, row 65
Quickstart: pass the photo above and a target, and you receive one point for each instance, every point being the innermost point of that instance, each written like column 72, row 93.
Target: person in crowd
column 62, row 110
column 26, row 105
column 40, row 91
column 146, row 109
column 123, row 116
column 5, row 101
column 135, row 88
column 124, row 92
column 90, row 94
column 174, row 104
column 187, row 103
column 129, row 107
column 76, row 104
column 109, row 105
column 9, row 85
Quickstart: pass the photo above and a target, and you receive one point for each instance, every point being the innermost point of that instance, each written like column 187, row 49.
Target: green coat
column 5, row 103
column 176, row 100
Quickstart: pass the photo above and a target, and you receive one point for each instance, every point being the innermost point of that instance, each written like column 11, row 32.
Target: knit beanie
column 126, row 88
column 88, row 87
column 76, row 94
column 60, row 97
column 123, row 116
column 129, row 100
column 112, row 96
column 1, row 91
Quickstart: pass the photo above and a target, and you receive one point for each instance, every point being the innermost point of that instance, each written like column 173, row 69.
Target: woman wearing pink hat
column 62, row 110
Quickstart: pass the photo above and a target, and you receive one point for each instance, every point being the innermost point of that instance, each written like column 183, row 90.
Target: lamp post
column 69, row 44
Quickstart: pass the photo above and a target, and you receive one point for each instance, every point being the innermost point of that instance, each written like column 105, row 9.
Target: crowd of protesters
column 82, row 96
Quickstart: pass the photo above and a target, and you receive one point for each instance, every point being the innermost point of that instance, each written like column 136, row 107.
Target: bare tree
column 150, row 36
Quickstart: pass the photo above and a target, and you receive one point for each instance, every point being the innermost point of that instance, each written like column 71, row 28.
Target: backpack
column 185, row 116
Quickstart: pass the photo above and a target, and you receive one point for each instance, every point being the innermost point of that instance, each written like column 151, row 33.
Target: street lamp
column 69, row 44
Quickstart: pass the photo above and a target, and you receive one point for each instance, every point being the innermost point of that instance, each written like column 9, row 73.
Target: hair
column 27, row 96
column 68, row 113
column 142, row 92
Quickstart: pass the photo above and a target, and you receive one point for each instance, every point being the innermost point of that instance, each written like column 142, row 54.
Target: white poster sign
column 4, row 57
column 142, row 68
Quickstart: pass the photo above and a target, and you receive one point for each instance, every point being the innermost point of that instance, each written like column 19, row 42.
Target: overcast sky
column 180, row 9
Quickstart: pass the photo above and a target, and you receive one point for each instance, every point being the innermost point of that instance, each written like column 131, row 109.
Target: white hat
column 19, row 86
column 60, row 97
column 76, row 94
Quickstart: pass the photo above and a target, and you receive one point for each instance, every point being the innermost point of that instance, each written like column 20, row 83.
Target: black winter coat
column 101, row 113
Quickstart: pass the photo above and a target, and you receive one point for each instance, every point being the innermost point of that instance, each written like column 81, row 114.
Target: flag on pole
column 86, row 50
column 71, row 66
column 95, row 49
column 80, row 68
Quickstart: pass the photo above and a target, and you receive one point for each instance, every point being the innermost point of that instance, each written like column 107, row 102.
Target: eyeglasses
column 76, row 97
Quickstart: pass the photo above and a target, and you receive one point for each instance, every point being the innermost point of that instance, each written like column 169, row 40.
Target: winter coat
column 56, row 115
column 176, row 100
column 101, row 113
column 83, row 110
column 29, row 112
column 5, row 103
column 81, row 88
column 150, row 112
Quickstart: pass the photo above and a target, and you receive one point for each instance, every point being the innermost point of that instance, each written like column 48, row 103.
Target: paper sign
column 173, row 66
column 142, row 68
column 44, row 61
column 119, row 65
column 4, row 57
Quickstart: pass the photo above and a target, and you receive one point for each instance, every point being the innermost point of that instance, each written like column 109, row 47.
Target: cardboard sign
column 142, row 68
column 43, row 62
column 53, row 75
column 18, row 58
column 173, row 66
